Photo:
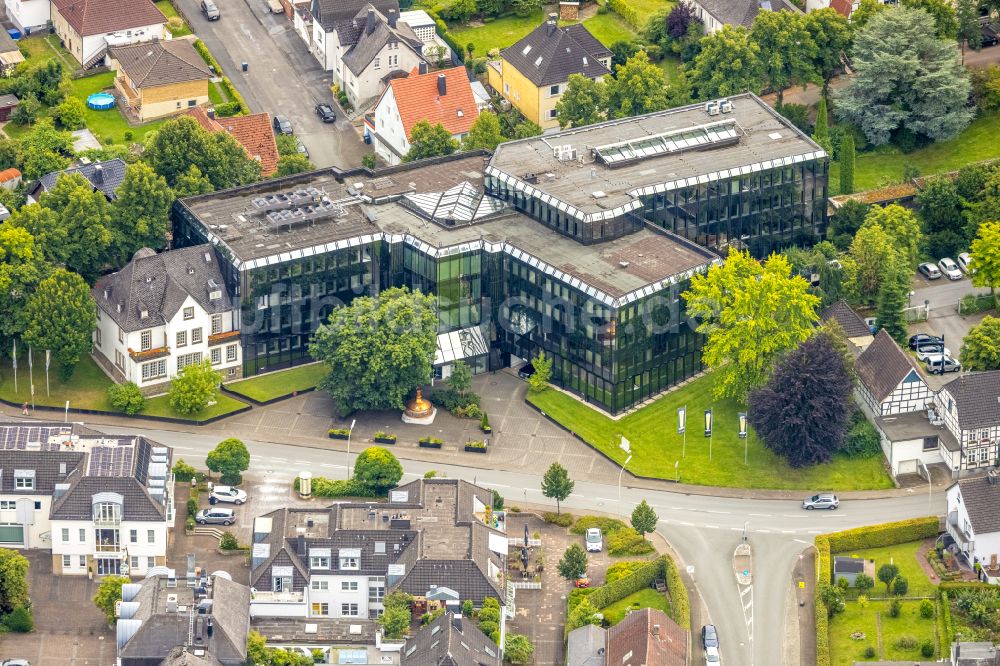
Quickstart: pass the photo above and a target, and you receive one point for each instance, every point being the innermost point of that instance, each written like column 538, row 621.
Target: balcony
column 962, row 540
column 268, row 597
column 107, row 547
column 149, row 354
column 220, row 338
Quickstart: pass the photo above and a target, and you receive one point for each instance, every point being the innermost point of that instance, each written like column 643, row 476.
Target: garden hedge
column 680, row 605
column 641, row 578
column 947, row 632
column 628, row 14
column 323, row 487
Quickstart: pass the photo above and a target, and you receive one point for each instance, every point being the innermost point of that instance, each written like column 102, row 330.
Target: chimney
column 392, row 18
column 422, row 68
column 370, row 22
column 442, row 85
column 208, row 627
column 456, row 622
column 551, row 23
column 211, row 113
column 99, row 174
column 656, row 630
column 301, row 546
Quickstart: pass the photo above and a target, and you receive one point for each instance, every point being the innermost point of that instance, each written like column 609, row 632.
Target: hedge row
column 947, row 632
column 640, row 579
column 629, row 14
column 234, row 95
column 442, row 31
column 822, row 631
column 680, row 605
column 323, row 487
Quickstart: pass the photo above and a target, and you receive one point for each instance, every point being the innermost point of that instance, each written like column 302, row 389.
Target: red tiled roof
column 842, row 7
column 417, row 99
column 201, row 115
column 9, row 174
column 254, row 133
column 96, row 17
column 646, row 637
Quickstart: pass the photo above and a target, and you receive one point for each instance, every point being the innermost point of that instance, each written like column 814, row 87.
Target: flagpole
column 48, row 356
column 13, row 360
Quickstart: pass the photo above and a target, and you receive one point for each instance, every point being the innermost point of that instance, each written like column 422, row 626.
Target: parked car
column 709, row 636
column 594, row 541
column 210, row 11
column 923, row 339
column 821, row 501
column 927, row 351
column 325, row 112
column 965, row 263
column 581, row 582
column 938, row 365
column 929, row 270
column 990, row 32
column 950, row 268
column 227, row 494
column 215, row 516
column 301, row 147
column 283, row 125
column 712, row 656
column 15, row 662
column 526, row 370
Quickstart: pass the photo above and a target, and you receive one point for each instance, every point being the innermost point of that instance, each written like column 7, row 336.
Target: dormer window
column 143, row 314
column 24, row 479
column 188, row 313
column 350, row 558
column 215, row 295
column 460, row 113
column 319, row 558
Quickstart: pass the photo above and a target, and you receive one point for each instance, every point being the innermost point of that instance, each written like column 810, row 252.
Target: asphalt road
column 283, row 77
column 703, row 530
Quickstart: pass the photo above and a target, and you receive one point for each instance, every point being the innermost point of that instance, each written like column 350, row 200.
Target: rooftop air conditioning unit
column 712, row 108
column 725, row 106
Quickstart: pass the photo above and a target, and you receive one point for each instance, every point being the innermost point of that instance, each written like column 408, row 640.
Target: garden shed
column 848, row 568
column 7, row 105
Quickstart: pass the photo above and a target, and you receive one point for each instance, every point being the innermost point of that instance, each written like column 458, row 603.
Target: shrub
column 227, row 109
column 189, row 524
column 467, row 608
column 862, row 439
column 476, row 445
column 619, row 570
column 926, row 609
column 484, row 423
column 207, row 56
column 497, row 500
column 228, row 541
column 126, row 398
column 19, row 621
column 895, row 608
column 843, row 584
column 183, row 471
column 869, row 652
column 900, row 586
column 680, row 605
column 927, row 649
column 906, row 641
column 385, row 435
column 192, row 506
column 608, row 526
column 323, row 487
column 339, row 432
column 430, row 440
column 628, row 542
column 175, row 24
column 430, row 474
column 560, row 519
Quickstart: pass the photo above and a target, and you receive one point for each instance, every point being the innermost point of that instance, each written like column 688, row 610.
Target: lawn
column 500, row 33
column 160, row 406
column 609, row 28
column 884, row 165
column 656, row 445
column 169, row 11
column 904, row 556
column 647, row 8
column 276, row 384
column 844, row 650
column 108, row 124
column 42, row 49
column 216, row 94
column 646, row 598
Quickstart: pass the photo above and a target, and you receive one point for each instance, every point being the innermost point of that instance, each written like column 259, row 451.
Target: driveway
column 283, row 77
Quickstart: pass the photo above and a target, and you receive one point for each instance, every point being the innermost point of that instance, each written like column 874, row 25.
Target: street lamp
column 349, row 433
column 743, row 435
column 708, row 432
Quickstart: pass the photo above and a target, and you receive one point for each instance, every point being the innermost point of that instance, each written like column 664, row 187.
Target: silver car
column 227, row 494
column 821, row 501
column 950, row 269
column 215, row 516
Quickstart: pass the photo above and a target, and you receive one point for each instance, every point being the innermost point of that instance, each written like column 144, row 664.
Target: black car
column 325, row 112
column 282, row 125
column 923, row 339
column 709, row 636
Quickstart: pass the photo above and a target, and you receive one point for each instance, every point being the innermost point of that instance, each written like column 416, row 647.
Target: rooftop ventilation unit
column 725, row 106
column 598, row 194
column 712, row 108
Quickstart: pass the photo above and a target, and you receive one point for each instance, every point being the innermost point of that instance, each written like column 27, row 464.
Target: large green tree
column 182, row 142
column 556, row 484
column 981, row 346
column 638, row 88
column 44, row 150
column 729, row 63
column 13, row 580
column 905, row 78
column 787, row 50
column 870, row 251
column 751, row 314
column 141, row 212
column 846, row 161
column 378, row 469
column 292, row 164
column 378, row 349
column 893, row 297
column 21, row 269
column 192, row 182
column 84, row 215
column 985, row 253
column 903, row 229
column 60, row 316
column 573, row 564
column 484, row 133
column 969, row 31
column 644, row 518
column 942, row 13
column 109, row 592
column 584, row 102
column 194, row 387
column 832, row 35
column 428, row 140
column 230, row 458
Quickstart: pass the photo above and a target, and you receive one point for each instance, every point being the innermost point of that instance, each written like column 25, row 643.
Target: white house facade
column 889, row 381
column 973, row 523
column 716, row 13
column 28, row 15
column 970, row 407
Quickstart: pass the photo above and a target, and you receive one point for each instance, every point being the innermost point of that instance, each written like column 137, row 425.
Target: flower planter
column 487, row 429
column 427, row 444
column 337, row 435
column 475, row 449
column 385, row 440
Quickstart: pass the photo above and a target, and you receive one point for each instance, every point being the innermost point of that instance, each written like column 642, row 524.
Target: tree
column 191, row 183
column 644, row 518
column 864, row 583
column 679, row 92
column 526, row 129
column 821, row 133
column 194, row 387
column 84, row 216
column 525, row 7
column 584, row 102
column 292, row 164
column 428, row 140
column 832, row 36
column 395, row 619
column 484, row 133
column 230, row 458
column 867, row 9
column 60, row 315
column 832, row 598
column 893, row 297
column 126, row 398
column 13, row 580
column 573, row 564
column 943, row 14
column 969, row 31
column 846, row 161
column 518, row 649
column 905, row 79
column 539, row 379
column 181, row 143
column 803, row 412
column 70, row 113
column 637, row 88
column 377, row 468
column 109, row 591
column 141, row 212
column 902, row 227
column 940, row 206
column 680, row 19
column 981, row 346
column 729, row 63
column 845, row 223
column 787, row 50
column 378, row 349
column 887, row 573
column 985, row 253
column 460, row 380
column 751, row 315
column 556, row 484
column 581, row 615
column 22, row 267
column 26, row 111
column 900, row 586
column 871, row 250
column 44, row 149
column 259, row 654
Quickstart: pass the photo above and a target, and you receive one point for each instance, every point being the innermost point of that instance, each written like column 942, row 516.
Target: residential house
column 253, row 132
column 970, row 407
column 10, row 179
column 160, row 78
column 534, row 72
column 850, row 322
column 843, row 7
column 889, row 381
column 10, row 58
column 162, row 313
column 716, row 13
column 89, row 27
column 443, row 97
column 974, row 522
column 644, row 637
column 106, row 176
column 423, row 26
column 451, row 640
column 28, row 15
column 102, row 503
column 7, row 105
column 159, row 620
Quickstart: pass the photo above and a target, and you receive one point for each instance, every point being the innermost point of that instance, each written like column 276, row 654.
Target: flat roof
column 915, row 425
column 617, row 160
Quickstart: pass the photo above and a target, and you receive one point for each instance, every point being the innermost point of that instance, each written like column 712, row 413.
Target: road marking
column 714, row 511
column 736, row 529
column 688, row 524
column 184, row 448
column 760, row 515
column 498, row 485
column 303, row 462
column 788, row 531
column 712, row 527
column 605, row 499
column 763, row 531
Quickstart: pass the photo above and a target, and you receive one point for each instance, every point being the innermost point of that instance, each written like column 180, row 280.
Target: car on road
column 210, row 11
column 301, row 148
column 215, row 516
column 709, row 636
column 325, row 113
column 927, row 351
column 821, row 501
column 227, row 494
column 594, row 541
column 938, row 365
column 950, row 268
column 965, row 263
column 923, row 339
column 712, row 656
column 929, row 270
column 282, row 125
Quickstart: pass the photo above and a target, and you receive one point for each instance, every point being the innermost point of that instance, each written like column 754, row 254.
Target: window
column 350, row 610
column 320, row 585
column 11, row 533
column 348, row 563
column 376, row 590
column 97, row 336
column 107, row 512
column 188, row 359
column 154, row 370
column 216, row 324
column 24, row 479
column 196, row 336
column 150, row 536
column 135, row 561
column 7, row 505
column 150, row 562
column 984, row 435
column 216, row 355
column 231, row 353
column 38, row 506
column 553, row 114
column 66, row 561
column 65, row 535
column 319, row 562
column 120, row 359
column 349, row 586
column 121, row 335
column 930, row 443
column 188, row 313
column 377, row 64
column 83, row 560
column 133, row 536
column 506, row 89
column 83, row 535
column 217, row 294
column 321, row 609
column 182, row 338
column 146, row 340
column 554, row 90
column 192, row 102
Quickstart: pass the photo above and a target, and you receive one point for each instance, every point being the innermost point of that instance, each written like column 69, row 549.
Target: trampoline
column 101, row 101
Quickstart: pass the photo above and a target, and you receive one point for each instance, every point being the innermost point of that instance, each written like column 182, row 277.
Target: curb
column 158, row 419
column 258, row 403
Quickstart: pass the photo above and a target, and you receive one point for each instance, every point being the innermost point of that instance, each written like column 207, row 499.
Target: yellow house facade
column 533, row 73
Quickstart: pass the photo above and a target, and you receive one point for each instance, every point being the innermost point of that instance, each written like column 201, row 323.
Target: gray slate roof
column 161, row 63
column 982, row 502
column 331, row 12
column 47, row 465
column 77, row 502
column 977, row 399
column 849, row 321
column 159, row 284
column 450, row 641
column 848, row 565
column 585, row 646
column 883, row 365
column 462, row 576
column 106, row 179
column 742, row 12
column 373, row 35
column 553, row 53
